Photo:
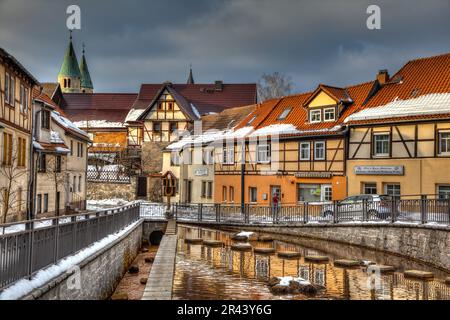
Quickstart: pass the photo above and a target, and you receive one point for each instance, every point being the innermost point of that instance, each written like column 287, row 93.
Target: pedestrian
column 275, row 206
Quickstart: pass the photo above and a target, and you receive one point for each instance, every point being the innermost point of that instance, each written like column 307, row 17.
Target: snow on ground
column 436, row 103
column 25, row 286
column 95, row 205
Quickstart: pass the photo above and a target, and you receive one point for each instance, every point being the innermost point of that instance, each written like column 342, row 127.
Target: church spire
column 69, row 75
column 191, row 77
column 86, row 82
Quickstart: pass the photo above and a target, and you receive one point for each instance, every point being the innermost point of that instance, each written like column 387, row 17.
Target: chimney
column 383, row 76
column 218, row 85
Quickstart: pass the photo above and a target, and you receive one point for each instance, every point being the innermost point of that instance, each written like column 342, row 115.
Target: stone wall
column 99, row 274
column 107, row 190
column 152, row 162
column 427, row 244
column 150, row 226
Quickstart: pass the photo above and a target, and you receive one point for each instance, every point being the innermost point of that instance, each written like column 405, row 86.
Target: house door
column 142, row 187
column 57, row 202
column 275, row 190
column 188, row 191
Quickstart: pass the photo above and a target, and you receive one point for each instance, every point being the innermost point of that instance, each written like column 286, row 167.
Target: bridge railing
column 29, row 246
column 414, row 210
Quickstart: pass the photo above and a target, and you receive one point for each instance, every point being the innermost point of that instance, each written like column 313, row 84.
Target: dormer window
column 315, row 116
column 329, row 114
column 285, row 113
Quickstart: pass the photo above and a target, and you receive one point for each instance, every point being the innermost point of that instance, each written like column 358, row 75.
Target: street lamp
column 169, row 188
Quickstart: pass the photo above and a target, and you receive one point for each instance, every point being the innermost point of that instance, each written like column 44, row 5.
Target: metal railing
column 106, row 175
column 413, row 210
column 29, row 246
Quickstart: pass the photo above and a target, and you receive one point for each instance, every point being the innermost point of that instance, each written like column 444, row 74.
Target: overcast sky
column 133, row 42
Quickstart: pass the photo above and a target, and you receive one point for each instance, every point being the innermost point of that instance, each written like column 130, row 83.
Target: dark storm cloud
column 130, row 42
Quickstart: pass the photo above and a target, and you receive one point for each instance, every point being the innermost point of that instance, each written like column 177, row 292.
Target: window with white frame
column 319, row 150
column 305, row 150
column 443, row 191
column 381, row 144
column 444, row 143
column 263, row 153
column 369, row 188
column 7, row 85
column 174, row 158
column 393, row 190
column 315, row 116
column 12, row 93
column 228, row 155
column 329, row 114
column 327, row 193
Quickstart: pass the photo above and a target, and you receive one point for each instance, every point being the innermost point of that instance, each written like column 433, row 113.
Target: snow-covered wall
column 99, row 273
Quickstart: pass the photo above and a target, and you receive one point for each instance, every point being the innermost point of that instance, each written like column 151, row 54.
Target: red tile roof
column 112, row 107
column 204, row 96
column 269, row 112
column 416, row 78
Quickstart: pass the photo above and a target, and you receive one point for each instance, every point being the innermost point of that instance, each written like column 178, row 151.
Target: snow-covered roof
column 66, row 123
column 99, row 124
column 133, row 114
column 430, row 104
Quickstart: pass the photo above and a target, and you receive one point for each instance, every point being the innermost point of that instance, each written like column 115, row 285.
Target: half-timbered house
column 16, row 85
column 294, row 147
column 399, row 142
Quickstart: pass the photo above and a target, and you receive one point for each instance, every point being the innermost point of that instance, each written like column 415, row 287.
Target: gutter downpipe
column 243, row 175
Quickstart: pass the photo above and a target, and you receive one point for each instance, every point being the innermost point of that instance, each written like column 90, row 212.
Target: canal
column 205, row 272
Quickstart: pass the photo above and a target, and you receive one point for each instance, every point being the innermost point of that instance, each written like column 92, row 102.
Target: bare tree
column 274, row 85
column 55, row 172
column 12, row 196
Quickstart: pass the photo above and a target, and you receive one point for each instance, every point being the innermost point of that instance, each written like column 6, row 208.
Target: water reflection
column 204, row 272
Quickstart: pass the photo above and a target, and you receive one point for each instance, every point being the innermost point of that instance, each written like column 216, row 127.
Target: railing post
column 176, row 210
column 448, row 209
column 306, row 212
column 56, row 234
column 247, row 213
column 200, row 212
column 365, row 215
column 31, row 249
column 217, row 207
column 423, row 208
column 394, row 210
column 336, row 212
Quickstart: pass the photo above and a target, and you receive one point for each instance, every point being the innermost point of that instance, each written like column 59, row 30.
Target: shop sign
column 380, row 170
column 201, row 172
column 313, row 174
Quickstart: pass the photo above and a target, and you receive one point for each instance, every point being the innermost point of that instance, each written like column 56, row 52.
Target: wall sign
column 201, row 172
column 313, row 174
column 380, row 170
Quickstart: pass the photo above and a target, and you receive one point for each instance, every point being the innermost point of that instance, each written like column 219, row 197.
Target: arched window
column 68, row 81
column 65, row 83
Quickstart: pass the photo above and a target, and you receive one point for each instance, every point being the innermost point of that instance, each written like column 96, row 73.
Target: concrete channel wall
column 99, row 274
column 428, row 244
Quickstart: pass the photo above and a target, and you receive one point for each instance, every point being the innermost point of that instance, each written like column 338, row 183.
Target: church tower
column 86, row 82
column 69, row 76
column 190, row 79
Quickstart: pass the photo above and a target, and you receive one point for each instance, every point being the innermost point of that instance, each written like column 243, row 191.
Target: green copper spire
column 86, row 81
column 69, row 67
